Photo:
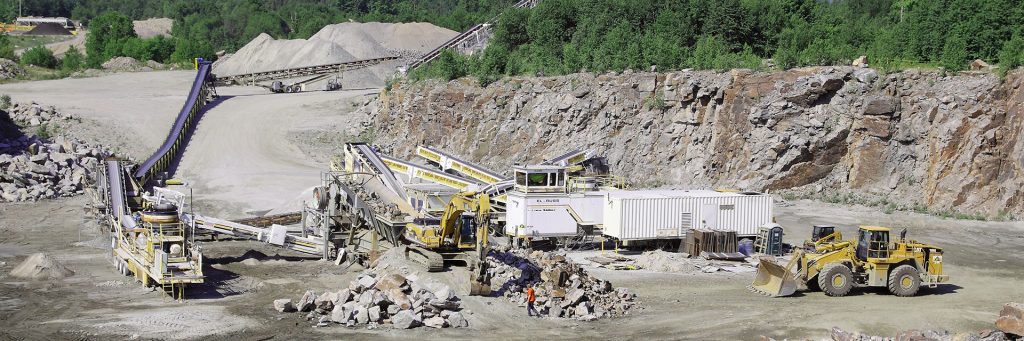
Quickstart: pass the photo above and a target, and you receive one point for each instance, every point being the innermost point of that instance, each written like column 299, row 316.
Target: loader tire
column 904, row 281
column 835, row 280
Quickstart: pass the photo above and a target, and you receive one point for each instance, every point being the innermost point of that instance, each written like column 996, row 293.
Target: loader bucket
column 478, row 287
column 773, row 280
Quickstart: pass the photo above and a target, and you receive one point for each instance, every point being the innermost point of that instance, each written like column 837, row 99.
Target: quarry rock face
column 917, row 138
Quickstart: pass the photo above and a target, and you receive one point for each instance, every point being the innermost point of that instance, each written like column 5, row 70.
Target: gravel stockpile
column 41, row 266
column 123, row 64
column 153, row 27
column 48, row 29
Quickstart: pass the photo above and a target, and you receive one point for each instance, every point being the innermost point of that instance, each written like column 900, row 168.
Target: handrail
column 161, row 159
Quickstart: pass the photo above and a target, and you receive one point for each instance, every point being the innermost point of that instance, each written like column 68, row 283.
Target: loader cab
column 872, row 242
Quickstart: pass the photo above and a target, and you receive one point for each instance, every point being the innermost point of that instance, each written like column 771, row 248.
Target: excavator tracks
column 433, row 261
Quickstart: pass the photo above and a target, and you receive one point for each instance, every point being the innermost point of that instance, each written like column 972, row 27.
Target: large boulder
column 405, row 319
column 1011, row 319
column 306, row 303
column 284, row 305
column 435, row 322
column 456, row 320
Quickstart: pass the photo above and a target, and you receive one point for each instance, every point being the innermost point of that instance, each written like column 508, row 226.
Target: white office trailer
column 542, row 205
column 668, row 214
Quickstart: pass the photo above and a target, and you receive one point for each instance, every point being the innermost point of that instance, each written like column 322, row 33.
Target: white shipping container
column 638, row 215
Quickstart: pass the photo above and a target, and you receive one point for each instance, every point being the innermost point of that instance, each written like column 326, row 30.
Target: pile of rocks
column 32, row 169
column 374, row 300
column 563, row 288
column 921, row 335
column 9, row 69
column 33, row 114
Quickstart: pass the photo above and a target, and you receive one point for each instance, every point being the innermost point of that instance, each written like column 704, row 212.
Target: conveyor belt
column 302, row 71
column 569, row 158
column 435, row 176
column 450, row 162
column 433, row 54
column 382, row 170
column 115, row 184
column 274, row 235
column 175, row 141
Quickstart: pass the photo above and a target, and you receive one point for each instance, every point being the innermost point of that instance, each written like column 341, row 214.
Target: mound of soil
column 48, row 29
column 41, row 266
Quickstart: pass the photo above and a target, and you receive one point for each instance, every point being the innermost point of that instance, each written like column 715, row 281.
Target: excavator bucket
column 773, row 280
column 479, row 288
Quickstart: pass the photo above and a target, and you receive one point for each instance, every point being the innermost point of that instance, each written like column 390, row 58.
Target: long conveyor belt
column 274, row 235
column 176, row 139
column 295, row 72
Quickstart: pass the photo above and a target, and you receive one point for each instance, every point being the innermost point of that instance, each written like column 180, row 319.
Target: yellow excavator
column 836, row 266
column 459, row 235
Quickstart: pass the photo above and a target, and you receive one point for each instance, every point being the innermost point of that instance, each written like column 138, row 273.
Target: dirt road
column 983, row 259
column 242, row 160
column 130, row 112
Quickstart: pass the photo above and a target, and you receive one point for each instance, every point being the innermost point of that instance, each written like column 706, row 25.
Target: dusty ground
column 983, row 258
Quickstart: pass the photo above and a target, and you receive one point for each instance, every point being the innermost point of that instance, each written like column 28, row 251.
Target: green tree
column 107, row 34
column 954, row 53
column 706, row 53
column 72, row 60
column 6, row 47
column 1011, row 55
column 136, row 48
column 39, row 56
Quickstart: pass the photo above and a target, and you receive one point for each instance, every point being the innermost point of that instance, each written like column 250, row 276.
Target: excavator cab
column 872, row 242
column 467, row 230
column 821, row 231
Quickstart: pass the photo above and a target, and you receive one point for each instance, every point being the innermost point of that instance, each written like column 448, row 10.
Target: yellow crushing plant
column 835, row 266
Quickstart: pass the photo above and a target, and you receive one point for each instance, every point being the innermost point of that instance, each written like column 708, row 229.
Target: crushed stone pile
column 564, row 289
column 153, row 27
column 41, row 266
column 381, row 300
column 9, row 69
column 339, row 43
column 663, row 261
column 33, row 168
column 127, row 64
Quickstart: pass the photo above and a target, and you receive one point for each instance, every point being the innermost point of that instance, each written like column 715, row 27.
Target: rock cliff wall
column 915, row 138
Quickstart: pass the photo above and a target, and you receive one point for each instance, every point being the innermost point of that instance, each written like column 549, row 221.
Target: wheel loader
column 460, row 234
column 872, row 260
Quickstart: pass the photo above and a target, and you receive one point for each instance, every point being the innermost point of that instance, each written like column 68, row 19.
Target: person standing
column 531, row 297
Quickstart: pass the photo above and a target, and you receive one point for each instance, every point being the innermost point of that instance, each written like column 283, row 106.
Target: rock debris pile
column 563, row 288
column 375, row 300
column 33, row 168
column 10, row 69
column 921, row 335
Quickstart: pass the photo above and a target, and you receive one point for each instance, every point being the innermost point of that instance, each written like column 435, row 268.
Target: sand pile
column 153, row 27
column 123, row 64
column 41, row 266
column 339, row 43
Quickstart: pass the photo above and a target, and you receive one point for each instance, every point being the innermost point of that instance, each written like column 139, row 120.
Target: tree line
column 566, row 36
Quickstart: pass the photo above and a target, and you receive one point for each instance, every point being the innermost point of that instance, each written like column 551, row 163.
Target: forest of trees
column 564, row 36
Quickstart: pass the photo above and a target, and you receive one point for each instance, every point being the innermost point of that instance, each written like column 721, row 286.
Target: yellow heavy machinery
column 870, row 261
column 460, row 234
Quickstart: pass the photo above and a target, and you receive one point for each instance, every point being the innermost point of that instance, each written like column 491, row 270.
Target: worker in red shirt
column 531, row 296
